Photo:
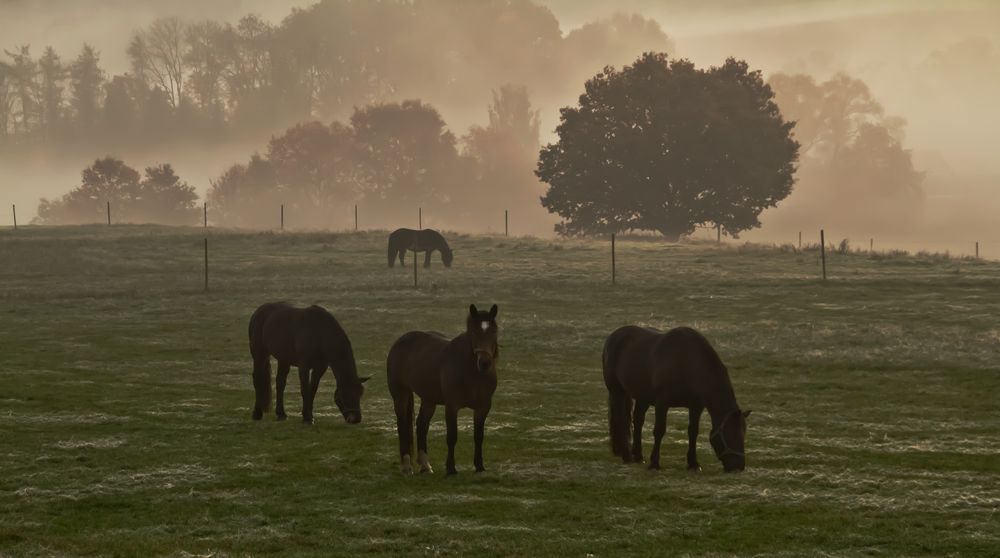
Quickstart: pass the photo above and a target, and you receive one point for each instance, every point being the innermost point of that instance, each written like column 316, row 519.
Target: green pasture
column 126, row 395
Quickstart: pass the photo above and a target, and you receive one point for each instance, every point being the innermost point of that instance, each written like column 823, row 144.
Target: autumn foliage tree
column 663, row 146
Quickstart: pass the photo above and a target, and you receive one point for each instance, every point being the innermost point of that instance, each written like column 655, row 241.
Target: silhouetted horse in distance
column 678, row 368
column 426, row 241
column 457, row 373
column 311, row 339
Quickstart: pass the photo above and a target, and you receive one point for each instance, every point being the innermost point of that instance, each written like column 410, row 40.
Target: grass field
column 125, row 411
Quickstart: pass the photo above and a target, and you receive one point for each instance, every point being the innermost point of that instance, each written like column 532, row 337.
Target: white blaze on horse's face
column 486, row 326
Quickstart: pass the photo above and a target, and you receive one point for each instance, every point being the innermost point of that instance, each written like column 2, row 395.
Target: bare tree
column 159, row 53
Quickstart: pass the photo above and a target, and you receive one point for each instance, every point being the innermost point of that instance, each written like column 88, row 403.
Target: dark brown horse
column 426, row 241
column 311, row 339
column 678, row 368
column 457, row 373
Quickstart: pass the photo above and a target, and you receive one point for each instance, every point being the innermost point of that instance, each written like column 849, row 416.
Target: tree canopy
column 663, row 146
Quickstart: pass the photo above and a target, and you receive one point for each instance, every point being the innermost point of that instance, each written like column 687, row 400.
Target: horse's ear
column 747, row 413
column 365, row 379
column 472, row 310
column 493, row 311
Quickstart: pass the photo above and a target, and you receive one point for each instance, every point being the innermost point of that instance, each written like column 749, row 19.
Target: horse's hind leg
column 279, row 384
column 403, row 405
column 659, row 429
column 427, row 258
column 638, row 419
column 423, row 424
column 694, row 418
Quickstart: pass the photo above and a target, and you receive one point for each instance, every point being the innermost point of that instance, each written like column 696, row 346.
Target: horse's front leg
column 659, row 429
column 694, row 418
column 317, row 374
column 279, row 384
column 638, row 420
column 480, row 431
column 427, row 258
column 304, row 388
column 451, row 423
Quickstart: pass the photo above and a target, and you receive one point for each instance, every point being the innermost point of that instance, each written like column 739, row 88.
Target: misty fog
column 934, row 65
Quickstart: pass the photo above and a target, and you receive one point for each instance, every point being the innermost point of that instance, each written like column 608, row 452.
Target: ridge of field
column 125, row 414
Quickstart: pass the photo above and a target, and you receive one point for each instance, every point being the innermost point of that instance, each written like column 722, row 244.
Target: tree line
column 211, row 80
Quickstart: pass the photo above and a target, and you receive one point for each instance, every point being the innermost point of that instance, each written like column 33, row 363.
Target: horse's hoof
column 307, row 422
column 638, row 460
column 654, row 467
column 406, row 470
column 452, row 472
column 694, row 469
column 480, row 469
column 426, row 470
column 257, row 416
column 280, row 417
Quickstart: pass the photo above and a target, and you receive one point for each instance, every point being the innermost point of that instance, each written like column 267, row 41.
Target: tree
column 52, row 74
column 159, row 54
column 245, row 195
column 86, row 79
column 663, row 146
column 161, row 196
column 23, row 71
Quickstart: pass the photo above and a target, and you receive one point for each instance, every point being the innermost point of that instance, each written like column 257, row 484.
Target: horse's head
column 447, row 255
column 481, row 328
column 347, row 396
column 728, row 440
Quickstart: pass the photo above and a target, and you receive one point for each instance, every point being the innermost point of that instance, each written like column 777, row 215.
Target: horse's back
column 258, row 320
column 627, row 358
column 413, row 363
column 296, row 336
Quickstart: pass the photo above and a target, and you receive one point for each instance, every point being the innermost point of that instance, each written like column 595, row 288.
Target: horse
column 426, row 241
column 678, row 368
column 311, row 339
column 458, row 373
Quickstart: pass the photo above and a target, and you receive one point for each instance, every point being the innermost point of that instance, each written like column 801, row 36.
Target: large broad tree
column 663, row 146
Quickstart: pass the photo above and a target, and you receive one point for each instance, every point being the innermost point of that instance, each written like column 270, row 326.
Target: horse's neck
column 721, row 404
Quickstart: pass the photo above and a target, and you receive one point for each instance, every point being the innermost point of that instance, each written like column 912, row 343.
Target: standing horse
column 458, row 373
column 426, row 241
column 311, row 339
column 678, row 368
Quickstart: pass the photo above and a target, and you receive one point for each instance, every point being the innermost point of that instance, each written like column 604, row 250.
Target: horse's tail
column 262, row 383
column 261, row 361
column 392, row 250
column 619, row 405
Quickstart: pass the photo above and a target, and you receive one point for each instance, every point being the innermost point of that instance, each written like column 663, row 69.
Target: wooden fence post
column 718, row 233
column 613, row 270
column 414, row 267
column 420, row 218
column 822, row 251
column 206, row 264
column 13, row 208
column 205, row 210
column 871, row 245
column 800, row 240
column 977, row 249
column 109, row 213
column 506, row 225
column 282, row 216
column 355, row 217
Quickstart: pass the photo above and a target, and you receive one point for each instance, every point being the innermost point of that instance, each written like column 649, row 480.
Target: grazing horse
column 426, row 241
column 457, row 373
column 678, row 368
column 311, row 339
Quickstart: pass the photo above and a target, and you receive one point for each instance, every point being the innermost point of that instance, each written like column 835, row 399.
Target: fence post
column 355, row 217
column 109, row 213
column 414, row 267
column 800, row 241
column 613, row 270
column 822, row 251
column 871, row 245
column 282, row 216
column 718, row 233
column 206, row 264
column 977, row 249
column 205, row 209
column 13, row 208
column 506, row 226
column 420, row 218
